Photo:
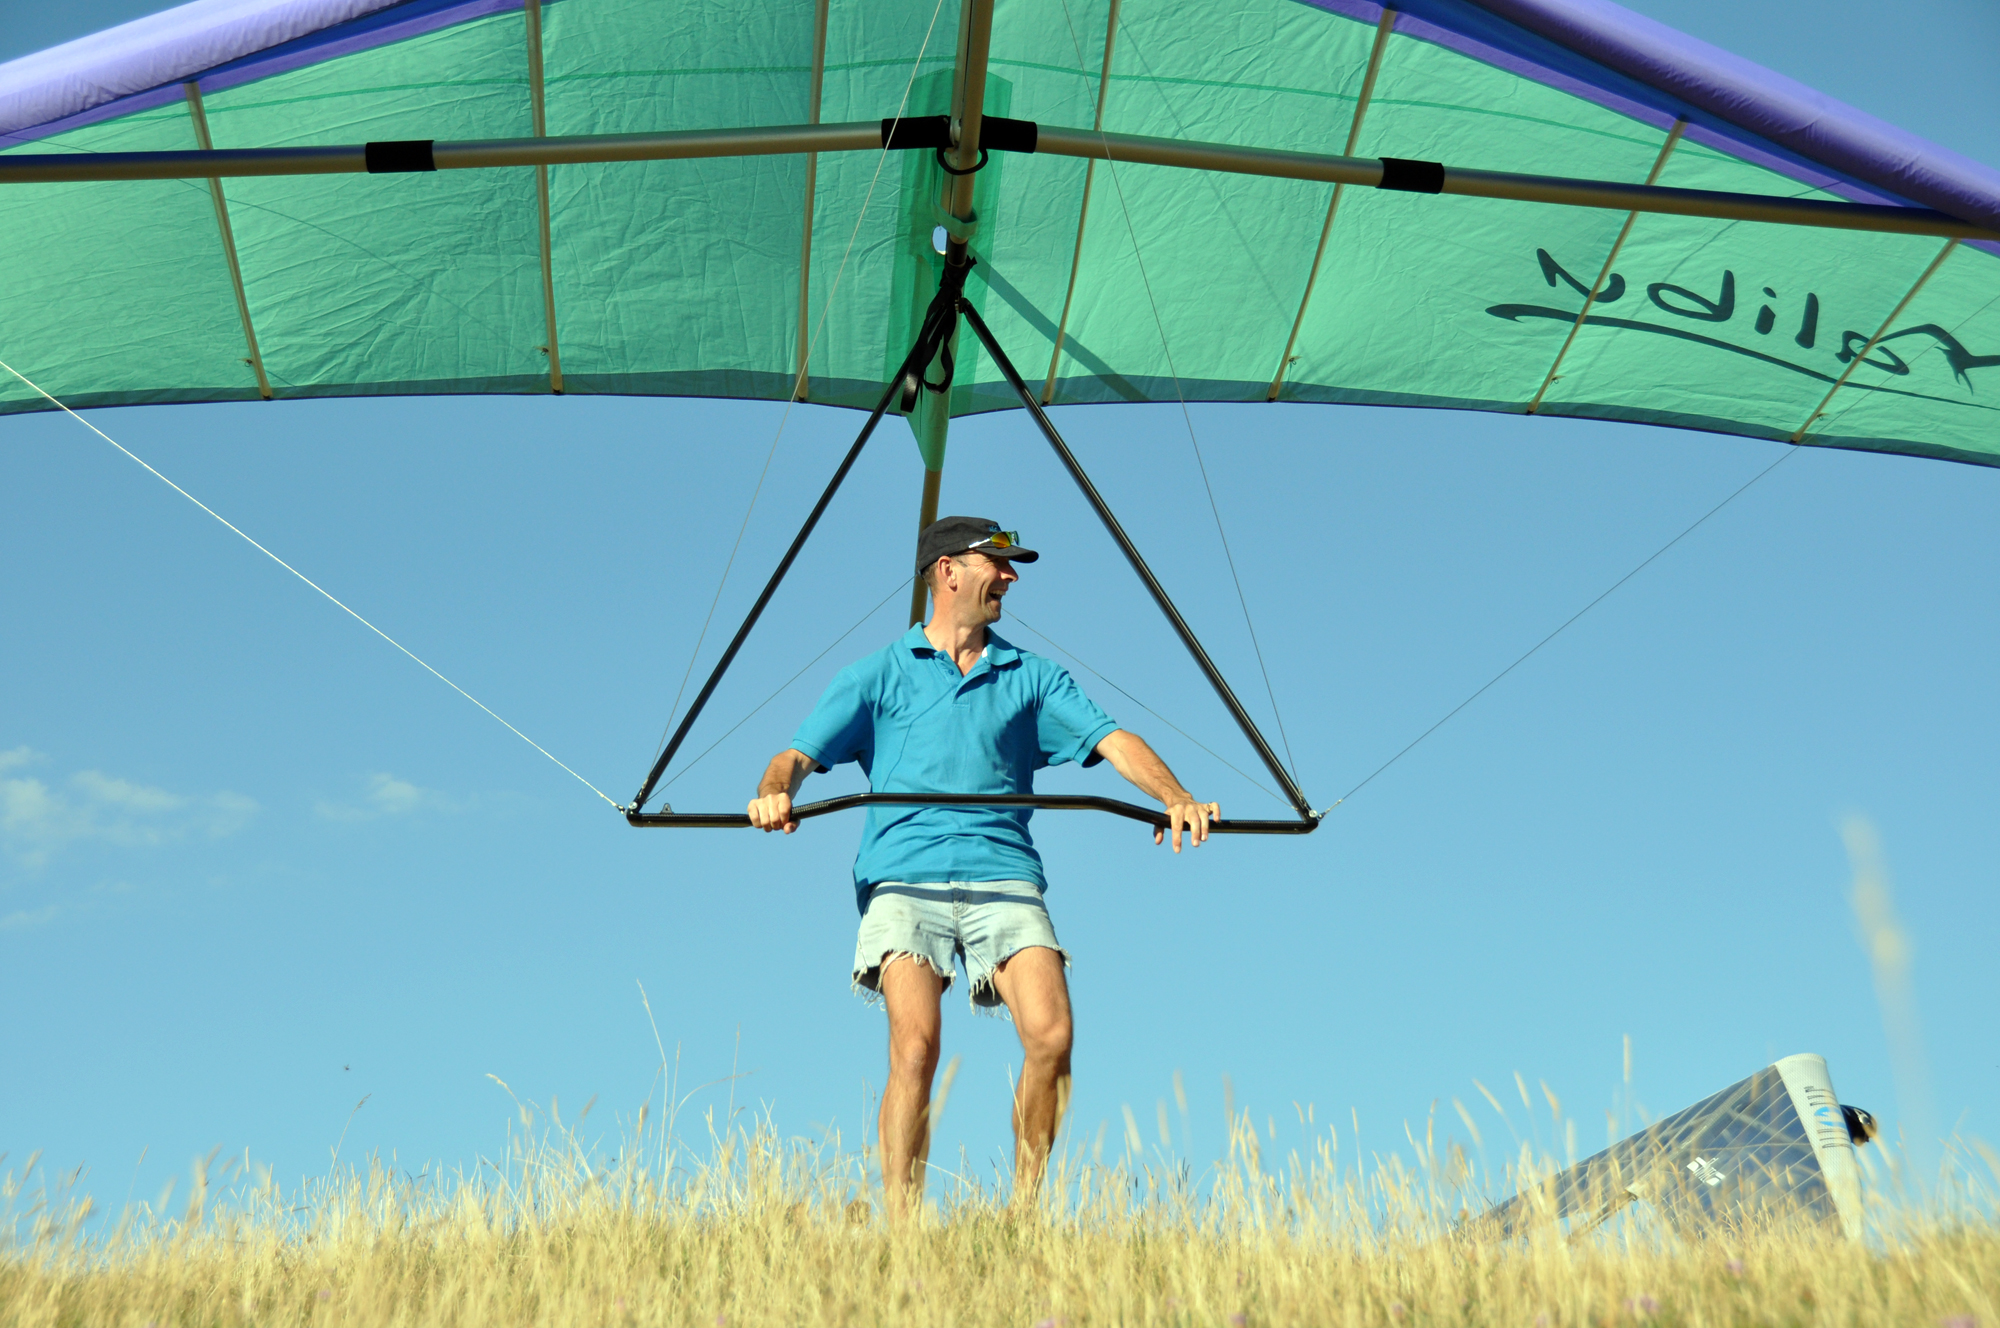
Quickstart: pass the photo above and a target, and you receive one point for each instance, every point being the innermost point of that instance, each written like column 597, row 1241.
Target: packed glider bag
column 1775, row 1147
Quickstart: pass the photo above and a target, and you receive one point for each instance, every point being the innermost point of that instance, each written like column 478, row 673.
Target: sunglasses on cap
column 999, row 539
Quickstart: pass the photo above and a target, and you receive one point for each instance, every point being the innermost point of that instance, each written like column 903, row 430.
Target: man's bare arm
column 1131, row 757
column 771, row 809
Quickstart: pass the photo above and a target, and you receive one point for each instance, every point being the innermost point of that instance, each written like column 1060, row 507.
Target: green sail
column 685, row 277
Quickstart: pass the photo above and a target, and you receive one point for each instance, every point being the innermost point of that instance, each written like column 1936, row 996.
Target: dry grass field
column 754, row 1231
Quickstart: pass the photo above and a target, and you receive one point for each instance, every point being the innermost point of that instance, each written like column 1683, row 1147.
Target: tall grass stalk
column 747, row 1228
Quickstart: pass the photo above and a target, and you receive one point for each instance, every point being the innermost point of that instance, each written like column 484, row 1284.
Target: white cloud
column 37, row 819
column 124, row 794
column 387, row 795
column 394, row 796
column 21, row 919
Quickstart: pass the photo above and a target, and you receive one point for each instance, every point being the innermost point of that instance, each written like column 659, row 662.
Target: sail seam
column 1880, row 332
column 215, row 194
column 537, row 106
column 1604, row 273
column 1083, row 212
column 1382, row 31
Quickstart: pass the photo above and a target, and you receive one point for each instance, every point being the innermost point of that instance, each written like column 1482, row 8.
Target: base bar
column 672, row 820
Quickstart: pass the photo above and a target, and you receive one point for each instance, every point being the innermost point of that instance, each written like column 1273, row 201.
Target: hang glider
column 1550, row 207
column 1328, row 201
column 1775, row 1147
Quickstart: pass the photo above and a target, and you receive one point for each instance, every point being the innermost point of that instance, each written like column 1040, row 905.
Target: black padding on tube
column 398, row 157
column 996, row 133
column 1412, row 177
column 920, row 131
column 1003, row 135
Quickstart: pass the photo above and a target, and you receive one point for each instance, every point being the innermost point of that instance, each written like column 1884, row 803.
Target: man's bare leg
column 1037, row 994
column 911, row 990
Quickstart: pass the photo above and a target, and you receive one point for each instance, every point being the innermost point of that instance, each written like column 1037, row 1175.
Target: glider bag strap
column 1293, row 794
column 939, row 321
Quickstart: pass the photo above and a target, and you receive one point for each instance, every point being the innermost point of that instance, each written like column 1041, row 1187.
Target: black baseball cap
column 969, row 534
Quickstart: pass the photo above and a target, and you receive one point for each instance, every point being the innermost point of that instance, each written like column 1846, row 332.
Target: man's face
column 982, row 582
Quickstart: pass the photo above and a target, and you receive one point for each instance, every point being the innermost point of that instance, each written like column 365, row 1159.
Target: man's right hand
column 773, row 811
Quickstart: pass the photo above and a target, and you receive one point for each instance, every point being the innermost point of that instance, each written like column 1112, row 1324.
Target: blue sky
column 255, row 865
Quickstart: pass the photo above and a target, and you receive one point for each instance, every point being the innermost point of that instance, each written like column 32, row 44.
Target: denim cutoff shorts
column 983, row 923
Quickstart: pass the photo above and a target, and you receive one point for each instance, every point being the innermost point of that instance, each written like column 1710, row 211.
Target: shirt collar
column 998, row 651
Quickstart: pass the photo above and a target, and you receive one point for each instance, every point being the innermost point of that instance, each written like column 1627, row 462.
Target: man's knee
column 915, row 1025
column 1047, row 1036
column 914, row 1050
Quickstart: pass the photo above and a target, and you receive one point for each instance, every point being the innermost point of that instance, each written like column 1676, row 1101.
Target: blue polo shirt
column 917, row 725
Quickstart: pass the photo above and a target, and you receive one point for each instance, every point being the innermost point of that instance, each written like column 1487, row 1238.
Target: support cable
column 937, row 325
column 791, row 398
column 756, row 709
column 1187, row 418
column 308, row 580
column 1783, row 457
column 1124, row 542
column 1078, row 660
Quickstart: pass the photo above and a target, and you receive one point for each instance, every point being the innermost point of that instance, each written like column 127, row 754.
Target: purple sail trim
column 1642, row 69
column 399, row 24
column 390, row 22
column 111, row 110
column 1480, row 36
column 160, row 49
column 1765, row 103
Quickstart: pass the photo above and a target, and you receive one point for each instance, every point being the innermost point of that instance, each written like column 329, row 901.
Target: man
column 952, row 708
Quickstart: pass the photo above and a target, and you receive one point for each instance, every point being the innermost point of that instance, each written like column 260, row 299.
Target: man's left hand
column 1185, row 813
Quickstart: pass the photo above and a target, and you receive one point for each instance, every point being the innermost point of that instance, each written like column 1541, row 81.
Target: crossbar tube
column 867, row 135
column 576, row 149
column 1614, row 195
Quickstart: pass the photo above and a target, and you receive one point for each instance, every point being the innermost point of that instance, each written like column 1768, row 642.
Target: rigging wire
column 308, row 580
column 1186, row 417
column 1078, row 661
column 1783, row 457
column 791, row 398
column 901, row 586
